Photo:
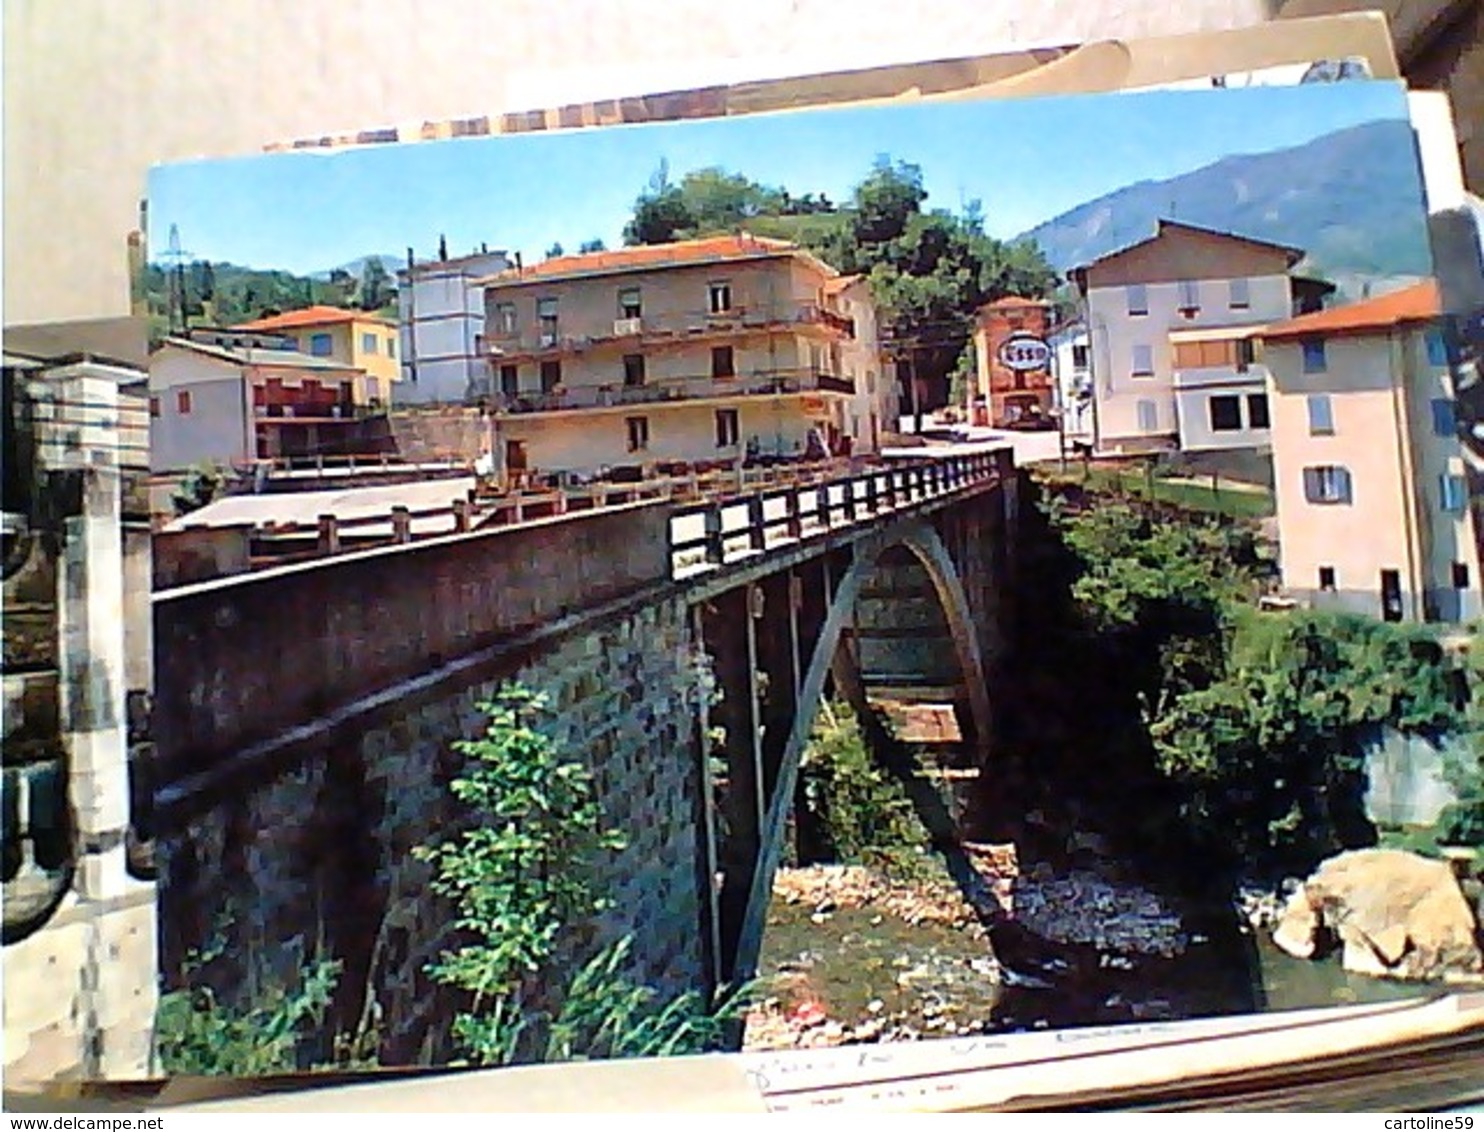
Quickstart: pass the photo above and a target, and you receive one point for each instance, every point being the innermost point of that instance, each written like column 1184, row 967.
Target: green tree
column 555, row 250
column 593, row 245
column 376, row 285
column 522, row 881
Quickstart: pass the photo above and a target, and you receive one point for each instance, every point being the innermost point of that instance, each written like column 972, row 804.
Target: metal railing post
column 757, row 535
column 401, row 524
column 329, row 534
column 715, row 547
column 791, row 508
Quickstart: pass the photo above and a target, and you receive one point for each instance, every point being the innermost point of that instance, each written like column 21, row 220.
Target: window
column 546, row 316
column 1257, row 411
column 1239, row 294
column 479, row 345
column 1143, row 361
column 727, row 428
column 1321, row 415
column 368, row 343
column 1327, row 484
column 723, row 362
column 504, row 318
column 1437, row 349
column 551, row 376
column 1148, row 416
column 1246, row 354
column 509, row 380
column 183, row 401
column 1314, row 355
column 720, row 298
column 871, row 383
column 391, row 347
column 633, row 369
column 638, row 428
column 629, row 305
column 1391, row 595
column 1226, row 413
column 1444, row 423
column 154, row 406
column 373, row 388
column 1454, row 492
column 1138, row 299
column 1327, row 578
column 1079, row 356
column 1190, row 295
column 319, row 345
column 1460, row 575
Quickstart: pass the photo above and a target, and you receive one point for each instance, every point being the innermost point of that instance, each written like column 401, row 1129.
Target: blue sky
column 1026, row 160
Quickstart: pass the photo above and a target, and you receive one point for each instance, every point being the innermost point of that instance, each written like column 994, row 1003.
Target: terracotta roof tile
column 1418, row 303
column 310, row 316
column 708, row 250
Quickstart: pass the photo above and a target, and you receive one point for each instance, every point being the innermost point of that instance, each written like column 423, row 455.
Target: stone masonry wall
column 320, row 858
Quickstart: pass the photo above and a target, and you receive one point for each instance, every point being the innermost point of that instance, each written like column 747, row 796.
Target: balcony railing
column 318, row 411
column 773, row 383
column 533, row 339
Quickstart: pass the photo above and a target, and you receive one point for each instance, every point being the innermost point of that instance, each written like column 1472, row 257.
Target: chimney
column 519, row 266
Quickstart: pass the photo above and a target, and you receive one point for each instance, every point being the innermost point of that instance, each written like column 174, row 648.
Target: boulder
column 1298, row 927
column 1394, row 914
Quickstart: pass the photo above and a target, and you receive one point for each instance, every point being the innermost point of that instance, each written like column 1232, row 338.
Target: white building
column 1070, row 351
column 441, row 312
column 1168, row 320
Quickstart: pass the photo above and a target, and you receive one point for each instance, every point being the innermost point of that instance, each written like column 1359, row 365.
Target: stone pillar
column 118, row 979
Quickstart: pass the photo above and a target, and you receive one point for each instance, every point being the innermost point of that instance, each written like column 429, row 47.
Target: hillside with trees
column 225, row 294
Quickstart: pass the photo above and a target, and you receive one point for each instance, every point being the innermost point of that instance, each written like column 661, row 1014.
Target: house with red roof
column 689, row 352
column 356, row 339
column 1373, row 501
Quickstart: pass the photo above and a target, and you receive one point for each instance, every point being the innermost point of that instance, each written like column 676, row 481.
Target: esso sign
column 1024, row 352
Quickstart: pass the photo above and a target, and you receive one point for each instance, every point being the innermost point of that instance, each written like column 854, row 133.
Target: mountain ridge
column 1352, row 199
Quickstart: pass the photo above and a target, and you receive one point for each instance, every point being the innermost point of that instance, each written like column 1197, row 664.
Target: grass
column 1244, row 502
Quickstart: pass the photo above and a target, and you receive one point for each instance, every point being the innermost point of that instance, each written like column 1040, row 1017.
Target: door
column 1391, row 595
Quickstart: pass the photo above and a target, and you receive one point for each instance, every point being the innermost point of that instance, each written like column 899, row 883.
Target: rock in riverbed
column 1394, row 914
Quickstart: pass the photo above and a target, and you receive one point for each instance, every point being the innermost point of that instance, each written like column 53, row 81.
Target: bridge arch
column 925, row 544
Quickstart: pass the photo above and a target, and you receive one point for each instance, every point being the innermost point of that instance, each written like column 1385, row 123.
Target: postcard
column 855, row 576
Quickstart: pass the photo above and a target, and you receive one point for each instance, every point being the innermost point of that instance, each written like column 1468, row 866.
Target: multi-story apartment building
column 352, row 338
column 1013, row 361
column 230, row 397
column 1373, row 504
column 440, row 309
column 1168, row 320
column 700, row 350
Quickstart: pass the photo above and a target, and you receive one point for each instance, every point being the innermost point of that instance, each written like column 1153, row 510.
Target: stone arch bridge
column 304, row 714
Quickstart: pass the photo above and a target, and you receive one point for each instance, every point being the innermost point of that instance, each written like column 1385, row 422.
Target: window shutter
column 1311, row 484
column 1342, row 484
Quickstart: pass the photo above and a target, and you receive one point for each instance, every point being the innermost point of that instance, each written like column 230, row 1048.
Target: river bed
column 862, row 974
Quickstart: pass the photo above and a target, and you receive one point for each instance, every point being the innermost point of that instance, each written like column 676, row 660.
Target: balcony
column 316, row 411
column 774, row 383
column 534, row 341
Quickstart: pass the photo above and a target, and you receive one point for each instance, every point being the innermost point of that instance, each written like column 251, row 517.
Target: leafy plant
column 863, row 810
column 522, row 880
column 199, row 1034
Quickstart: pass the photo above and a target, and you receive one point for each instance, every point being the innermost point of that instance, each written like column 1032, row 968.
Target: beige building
column 696, row 351
column 352, row 338
column 1373, row 504
column 1168, row 320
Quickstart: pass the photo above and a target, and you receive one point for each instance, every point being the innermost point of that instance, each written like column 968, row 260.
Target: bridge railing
column 717, row 533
